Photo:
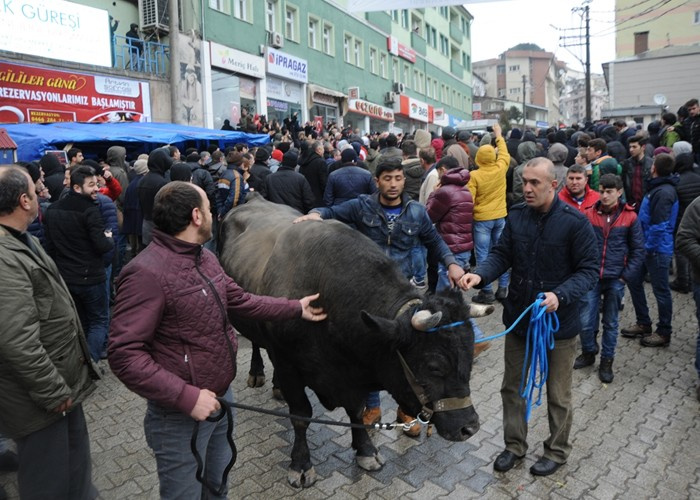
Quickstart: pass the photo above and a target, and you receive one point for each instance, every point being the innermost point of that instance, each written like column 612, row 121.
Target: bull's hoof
column 371, row 463
column 256, row 380
column 277, row 394
column 302, row 479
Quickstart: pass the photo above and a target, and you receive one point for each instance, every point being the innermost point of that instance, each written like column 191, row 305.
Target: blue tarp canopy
column 33, row 139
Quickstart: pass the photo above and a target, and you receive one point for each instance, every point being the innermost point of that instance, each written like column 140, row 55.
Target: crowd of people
column 574, row 214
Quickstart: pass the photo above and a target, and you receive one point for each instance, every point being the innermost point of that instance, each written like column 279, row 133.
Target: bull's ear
column 388, row 328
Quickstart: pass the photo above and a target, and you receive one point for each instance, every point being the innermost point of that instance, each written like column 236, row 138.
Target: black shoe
column 585, row 359
column 605, row 373
column 502, row 293
column 544, row 467
column 674, row 285
column 9, row 461
column 636, row 330
column 484, row 298
column 506, row 461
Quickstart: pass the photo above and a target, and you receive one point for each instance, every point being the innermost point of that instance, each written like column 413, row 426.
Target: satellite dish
column 660, row 99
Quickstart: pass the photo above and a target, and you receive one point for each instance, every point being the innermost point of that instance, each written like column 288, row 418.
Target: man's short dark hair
column 374, row 145
column 691, row 103
column 216, row 156
column 409, row 148
column 576, row 169
column 78, row 175
column 669, row 118
column 391, row 141
column 240, row 146
column 663, row 163
column 13, row 184
column 388, row 165
column 620, row 123
column 583, row 140
column 173, row 205
column 427, row 155
column 637, row 139
column 171, row 150
column 72, row 153
column 598, row 145
column 610, row 181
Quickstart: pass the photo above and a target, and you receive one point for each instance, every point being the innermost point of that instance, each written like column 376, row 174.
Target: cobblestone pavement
column 638, row 437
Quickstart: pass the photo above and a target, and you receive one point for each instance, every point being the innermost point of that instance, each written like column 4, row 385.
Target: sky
column 501, row 24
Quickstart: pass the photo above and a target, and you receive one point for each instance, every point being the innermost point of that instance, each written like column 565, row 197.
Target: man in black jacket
column 552, row 250
column 288, row 187
column 159, row 162
column 76, row 238
column 315, row 169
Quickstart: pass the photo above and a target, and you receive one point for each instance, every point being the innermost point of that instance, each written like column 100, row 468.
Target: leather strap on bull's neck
column 440, row 405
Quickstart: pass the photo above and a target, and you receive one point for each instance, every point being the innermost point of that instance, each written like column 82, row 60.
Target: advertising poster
column 39, row 95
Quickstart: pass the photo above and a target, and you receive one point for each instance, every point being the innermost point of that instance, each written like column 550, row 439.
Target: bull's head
column 437, row 343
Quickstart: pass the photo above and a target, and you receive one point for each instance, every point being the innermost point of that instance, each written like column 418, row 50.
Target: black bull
column 370, row 307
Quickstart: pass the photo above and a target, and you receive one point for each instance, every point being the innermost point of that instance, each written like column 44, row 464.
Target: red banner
column 39, row 95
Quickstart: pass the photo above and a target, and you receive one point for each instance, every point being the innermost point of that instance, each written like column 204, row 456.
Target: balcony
column 380, row 19
column 456, row 33
column 141, row 56
column 418, row 43
column 456, row 69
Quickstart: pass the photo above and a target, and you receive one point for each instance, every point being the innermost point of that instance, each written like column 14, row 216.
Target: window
column 313, row 32
column 271, row 15
column 223, row 6
column 431, row 35
column 444, row 12
column 515, row 67
column 466, row 61
column 395, row 70
column 406, row 78
column 328, row 39
column 415, row 80
column 416, row 25
column 515, row 90
column 347, row 42
column 435, row 89
column 501, row 69
column 428, row 87
column 466, row 27
column 357, row 52
column 404, row 19
column 373, row 60
column 382, row 65
column 291, row 23
column 242, row 10
column 395, row 16
column 444, row 45
column 443, row 93
column 696, row 17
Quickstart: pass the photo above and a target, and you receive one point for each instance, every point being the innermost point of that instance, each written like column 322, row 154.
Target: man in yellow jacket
column 488, row 187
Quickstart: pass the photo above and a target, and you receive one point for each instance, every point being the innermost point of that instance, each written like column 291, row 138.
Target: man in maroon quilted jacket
column 170, row 341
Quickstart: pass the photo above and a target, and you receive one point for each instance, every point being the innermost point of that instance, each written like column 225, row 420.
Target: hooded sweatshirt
column 488, row 183
column 116, row 159
column 53, row 172
column 159, row 161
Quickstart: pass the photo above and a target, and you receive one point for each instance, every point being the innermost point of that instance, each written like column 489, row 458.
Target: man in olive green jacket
column 45, row 368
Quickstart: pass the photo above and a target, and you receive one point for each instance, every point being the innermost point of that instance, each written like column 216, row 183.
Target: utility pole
column 174, row 37
column 588, row 63
column 581, row 40
column 524, row 112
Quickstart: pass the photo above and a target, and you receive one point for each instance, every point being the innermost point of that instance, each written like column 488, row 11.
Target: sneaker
column 585, row 359
column 419, row 284
column 502, row 293
column 414, row 430
column 636, row 330
column 371, row 416
column 605, row 373
column 484, row 298
column 481, row 347
column 656, row 340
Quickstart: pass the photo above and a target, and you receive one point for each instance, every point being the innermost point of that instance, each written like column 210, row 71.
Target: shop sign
column 441, row 118
column 237, row 61
column 278, row 105
column 371, row 110
column 286, row 65
column 399, row 49
column 415, row 109
column 38, row 95
column 353, row 92
column 283, row 91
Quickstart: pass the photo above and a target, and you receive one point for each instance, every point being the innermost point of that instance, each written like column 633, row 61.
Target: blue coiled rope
column 539, row 339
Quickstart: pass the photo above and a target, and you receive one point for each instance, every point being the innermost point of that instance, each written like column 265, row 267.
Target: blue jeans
column 696, row 296
column 657, row 264
column 168, row 433
column 612, row 291
column 443, row 281
column 92, row 302
column 486, row 234
column 418, row 262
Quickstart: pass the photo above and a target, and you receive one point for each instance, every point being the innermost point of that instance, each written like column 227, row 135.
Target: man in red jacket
column 577, row 193
column 171, row 341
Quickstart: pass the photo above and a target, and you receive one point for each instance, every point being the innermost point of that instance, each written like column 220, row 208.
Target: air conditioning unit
column 275, row 39
column 399, row 87
column 390, row 98
column 153, row 15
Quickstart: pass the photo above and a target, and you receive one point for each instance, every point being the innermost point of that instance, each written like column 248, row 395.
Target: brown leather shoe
column 414, row 430
column 371, row 416
column 636, row 330
column 481, row 347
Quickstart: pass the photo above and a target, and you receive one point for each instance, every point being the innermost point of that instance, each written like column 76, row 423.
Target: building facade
column 573, row 97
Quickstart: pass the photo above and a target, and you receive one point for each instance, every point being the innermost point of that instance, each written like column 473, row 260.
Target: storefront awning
column 335, row 95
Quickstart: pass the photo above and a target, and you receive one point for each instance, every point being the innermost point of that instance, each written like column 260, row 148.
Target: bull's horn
column 478, row 311
column 424, row 320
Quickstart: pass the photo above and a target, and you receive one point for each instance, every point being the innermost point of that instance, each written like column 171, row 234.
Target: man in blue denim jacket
column 397, row 224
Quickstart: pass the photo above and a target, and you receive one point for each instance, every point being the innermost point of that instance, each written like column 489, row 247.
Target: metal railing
column 140, row 55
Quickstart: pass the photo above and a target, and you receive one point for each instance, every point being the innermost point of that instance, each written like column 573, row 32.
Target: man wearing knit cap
column 288, row 187
column 451, row 148
column 487, row 185
column 513, row 142
column 422, row 139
